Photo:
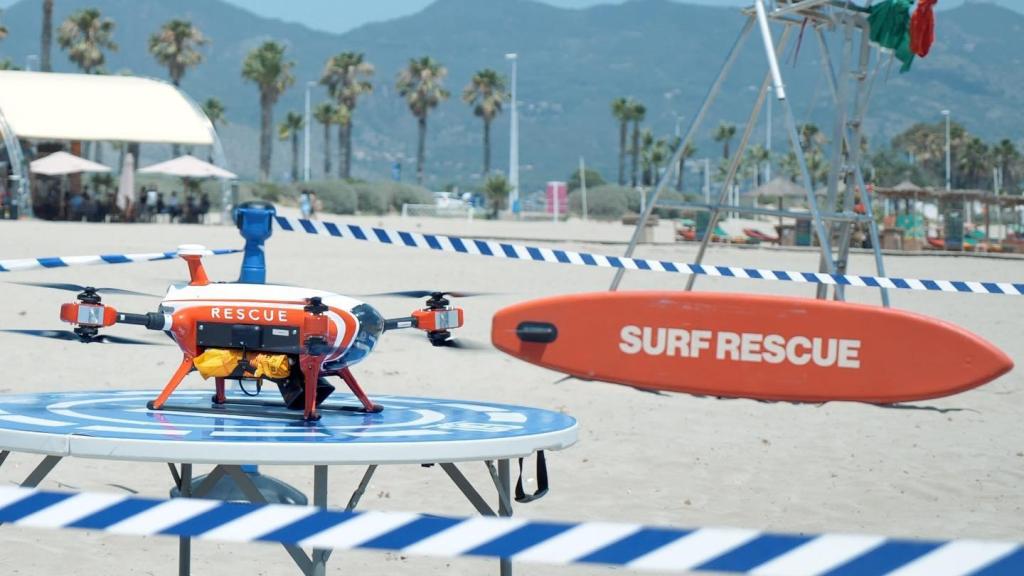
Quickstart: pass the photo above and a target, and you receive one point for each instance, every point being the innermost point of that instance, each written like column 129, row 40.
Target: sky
column 343, row 15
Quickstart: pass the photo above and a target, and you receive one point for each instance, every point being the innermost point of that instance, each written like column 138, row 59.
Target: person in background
column 150, row 208
column 305, row 204
column 314, row 205
column 204, row 207
column 173, row 206
column 76, row 204
column 161, row 207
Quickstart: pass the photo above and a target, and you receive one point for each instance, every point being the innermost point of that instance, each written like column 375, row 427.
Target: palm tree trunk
column 421, row 148
column 341, row 150
column 46, row 38
column 266, row 121
column 348, row 149
column 623, row 131
column 327, row 151
column 175, row 147
column 487, row 147
column 636, row 152
column 295, row 156
column 679, row 174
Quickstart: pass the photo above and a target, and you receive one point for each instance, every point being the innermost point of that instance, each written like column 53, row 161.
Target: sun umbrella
column 188, row 166
column 62, row 163
column 126, row 186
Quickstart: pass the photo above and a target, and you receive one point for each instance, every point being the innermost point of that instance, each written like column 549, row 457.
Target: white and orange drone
column 295, row 337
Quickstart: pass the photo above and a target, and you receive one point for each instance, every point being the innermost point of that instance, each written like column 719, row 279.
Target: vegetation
column 485, row 93
column 85, row 35
column 724, row 133
column 621, row 111
column 46, row 37
column 637, row 112
column 421, row 83
column 3, row 29
column 266, row 66
column 326, row 113
column 174, row 47
column 496, row 189
column 345, row 76
column 593, row 177
column 290, row 129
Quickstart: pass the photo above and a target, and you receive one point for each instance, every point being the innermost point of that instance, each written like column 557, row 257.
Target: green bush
column 269, row 191
column 336, row 196
column 603, row 202
column 373, row 199
column 399, row 193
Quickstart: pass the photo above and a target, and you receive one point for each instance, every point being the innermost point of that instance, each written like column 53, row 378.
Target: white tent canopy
column 189, row 167
column 61, row 163
column 99, row 107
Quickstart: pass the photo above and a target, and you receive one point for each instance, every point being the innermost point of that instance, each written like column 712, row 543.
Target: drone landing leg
column 310, row 366
column 179, row 375
column 350, row 380
column 221, row 397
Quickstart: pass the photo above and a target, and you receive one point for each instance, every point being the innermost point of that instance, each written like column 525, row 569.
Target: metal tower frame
column 834, row 222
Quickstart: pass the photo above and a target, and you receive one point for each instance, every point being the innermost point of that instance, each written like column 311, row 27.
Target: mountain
column 572, row 63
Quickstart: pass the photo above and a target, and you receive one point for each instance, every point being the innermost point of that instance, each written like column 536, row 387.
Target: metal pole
column 948, row 179
column 853, row 135
column 707, row 180
column 734, row 164
column 780, row 91
column 513, row 140
column 305, row 136
column 583, row 186
column 694, row 126
column 768, row 139
column 504, row 505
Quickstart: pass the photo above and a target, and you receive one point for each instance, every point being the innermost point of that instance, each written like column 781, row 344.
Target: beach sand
column 642, row 458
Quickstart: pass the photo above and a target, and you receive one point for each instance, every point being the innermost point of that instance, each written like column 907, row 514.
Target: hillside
column 572, row 63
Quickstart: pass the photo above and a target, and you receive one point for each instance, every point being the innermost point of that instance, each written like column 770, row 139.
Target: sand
column 674, row 459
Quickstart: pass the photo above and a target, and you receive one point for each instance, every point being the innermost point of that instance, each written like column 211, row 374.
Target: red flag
column 922, row 28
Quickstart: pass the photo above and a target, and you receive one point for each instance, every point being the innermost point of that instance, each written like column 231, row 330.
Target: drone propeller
column 78, row 288
column 71, row 336
column 429, row 293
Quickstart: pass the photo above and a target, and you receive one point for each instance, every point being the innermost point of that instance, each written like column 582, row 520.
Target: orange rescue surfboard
column 748, row 346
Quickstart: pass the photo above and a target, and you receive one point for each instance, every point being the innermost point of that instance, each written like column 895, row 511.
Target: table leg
column 504, row 506
column 184, row 543
column 361, row 489
column 319, row 557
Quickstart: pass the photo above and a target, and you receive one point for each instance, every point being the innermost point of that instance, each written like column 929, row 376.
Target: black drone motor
column 88, row 296
column 437, row 301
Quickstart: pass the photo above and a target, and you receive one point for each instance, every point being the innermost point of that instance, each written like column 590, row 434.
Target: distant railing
column 435, row 211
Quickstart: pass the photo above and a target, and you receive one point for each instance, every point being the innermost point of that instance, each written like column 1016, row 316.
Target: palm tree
column 421, row 83
column 621, row 111
column 46, row 38
column 345, row 77
column 485, row 93
column 326, row 113
column 757, row 155
column 1006, row 155
column 724, row 134
column 637, row 112
column 974, row 163
column 688, row 151
column 266, row 66
column 85, row 35
column 496, row 189
column 291, row 128
column 214, row 110
column 174, row 47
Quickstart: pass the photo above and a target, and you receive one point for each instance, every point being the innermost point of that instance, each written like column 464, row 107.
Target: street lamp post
column 305, row 135
column 513, row 142
column 948, row 179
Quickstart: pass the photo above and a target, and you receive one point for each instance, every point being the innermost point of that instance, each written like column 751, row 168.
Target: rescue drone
column 292, row 336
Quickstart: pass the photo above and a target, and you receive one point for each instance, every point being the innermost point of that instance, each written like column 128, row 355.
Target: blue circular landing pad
column 117, row 425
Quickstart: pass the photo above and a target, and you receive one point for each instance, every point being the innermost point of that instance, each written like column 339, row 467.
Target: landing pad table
column 116, row 425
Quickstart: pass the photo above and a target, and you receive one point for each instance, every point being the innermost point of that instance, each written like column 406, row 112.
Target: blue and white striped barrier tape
column 631, row 545
column 519, row 252
column 17, row 265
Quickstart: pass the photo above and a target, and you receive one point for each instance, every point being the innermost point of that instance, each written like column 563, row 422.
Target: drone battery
column 249, row 336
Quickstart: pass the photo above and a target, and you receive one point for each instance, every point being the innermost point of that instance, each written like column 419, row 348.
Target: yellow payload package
column 222, row 363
